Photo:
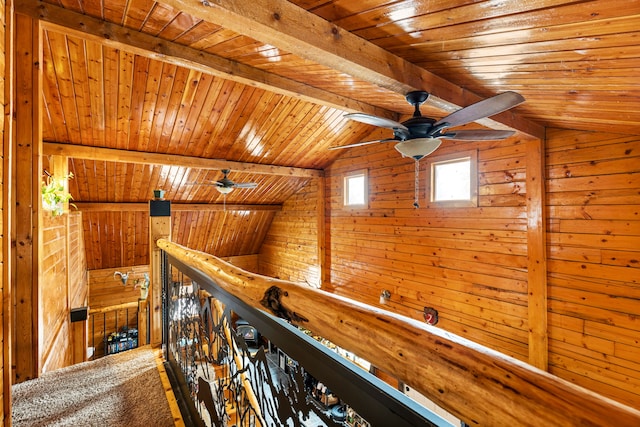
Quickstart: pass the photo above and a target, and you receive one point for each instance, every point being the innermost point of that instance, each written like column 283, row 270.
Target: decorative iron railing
column 275, row 381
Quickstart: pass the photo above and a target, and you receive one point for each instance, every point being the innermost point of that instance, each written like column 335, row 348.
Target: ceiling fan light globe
column 224, row 190
column 418, row 148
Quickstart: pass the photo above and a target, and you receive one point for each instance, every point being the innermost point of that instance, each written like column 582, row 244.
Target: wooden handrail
column 106, row 309
column 478, row 385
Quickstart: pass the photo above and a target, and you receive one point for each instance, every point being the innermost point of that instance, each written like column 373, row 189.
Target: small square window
column 453, row 181
column 355, row 189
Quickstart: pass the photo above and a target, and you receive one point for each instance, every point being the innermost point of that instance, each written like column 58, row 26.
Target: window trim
column 432, row 162
column 345, row 189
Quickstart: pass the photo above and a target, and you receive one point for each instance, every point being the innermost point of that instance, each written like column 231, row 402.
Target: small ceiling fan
column 225, row 185
column 420, row 136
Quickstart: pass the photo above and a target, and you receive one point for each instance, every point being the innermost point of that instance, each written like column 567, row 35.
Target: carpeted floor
column 119, row 390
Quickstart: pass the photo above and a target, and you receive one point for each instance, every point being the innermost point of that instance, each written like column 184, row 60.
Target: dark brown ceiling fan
column 419, row 136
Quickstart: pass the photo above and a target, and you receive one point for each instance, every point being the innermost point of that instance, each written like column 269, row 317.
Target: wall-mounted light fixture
column 123, row 277
column 385, row 296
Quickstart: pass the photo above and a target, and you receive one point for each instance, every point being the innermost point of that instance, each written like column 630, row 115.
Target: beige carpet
column 119, row 390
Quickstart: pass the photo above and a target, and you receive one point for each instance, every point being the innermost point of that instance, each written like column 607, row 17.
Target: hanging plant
column 54, row 193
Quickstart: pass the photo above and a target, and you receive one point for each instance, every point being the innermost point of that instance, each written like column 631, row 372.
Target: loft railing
column 476, row 384
column 117, row 328
column 231, row 384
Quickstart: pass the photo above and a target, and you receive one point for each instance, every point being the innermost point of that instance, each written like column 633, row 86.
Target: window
column 355, row 189
column 453, row 180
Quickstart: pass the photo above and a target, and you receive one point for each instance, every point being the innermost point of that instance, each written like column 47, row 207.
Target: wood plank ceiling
column 261, row 87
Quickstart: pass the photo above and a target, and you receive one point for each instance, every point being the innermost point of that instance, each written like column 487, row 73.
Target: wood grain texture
column 112, row 304
column 7, row 108
column 593, row 275
column 470, row 264
column 474, row 383
column 28, row 168
column 290, row 247
column 63, row 286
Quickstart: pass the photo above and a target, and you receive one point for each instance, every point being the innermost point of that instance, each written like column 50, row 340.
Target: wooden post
column 8, row 106
column 159, row 228
column 537, row 255
column 143, row 313
column 320, row 212
column 28, row 176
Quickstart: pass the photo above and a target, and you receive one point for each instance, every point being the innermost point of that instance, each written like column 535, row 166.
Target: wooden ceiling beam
column 175, row 207
column 137, row 157
column 291, row 28
column 82, row 26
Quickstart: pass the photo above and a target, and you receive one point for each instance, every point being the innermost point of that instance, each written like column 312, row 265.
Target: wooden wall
column 117, row 238
column 593, row 184
column 471, row 263
column 105, row 290
column 290, row 248
column 113, row 305
column 63, row 285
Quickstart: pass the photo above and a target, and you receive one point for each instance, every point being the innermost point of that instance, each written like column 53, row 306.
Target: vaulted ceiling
column 261, row 88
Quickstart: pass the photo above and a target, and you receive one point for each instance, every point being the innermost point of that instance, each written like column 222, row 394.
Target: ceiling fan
column 419, row 136
column 226, row 186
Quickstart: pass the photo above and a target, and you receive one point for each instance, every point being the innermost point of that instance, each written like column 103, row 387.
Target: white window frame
column 434, row 162
column 345, row 189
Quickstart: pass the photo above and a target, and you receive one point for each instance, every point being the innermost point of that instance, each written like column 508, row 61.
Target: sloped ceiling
column 261, row 87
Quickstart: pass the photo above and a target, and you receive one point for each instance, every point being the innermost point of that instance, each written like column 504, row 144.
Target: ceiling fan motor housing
column 419, row 127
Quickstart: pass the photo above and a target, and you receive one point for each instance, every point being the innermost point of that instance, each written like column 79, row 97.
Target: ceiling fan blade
column 477, row 134
column 245, row 185
column 376, row 121
column 482, row 109
column 359, row 144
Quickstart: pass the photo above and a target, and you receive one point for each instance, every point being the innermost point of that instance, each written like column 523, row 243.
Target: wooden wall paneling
column 468, row 263
column 53, row 295
column 593, row 243
column 78, row 285
column 59, row 353
column 28, row 171
column 245, row 262
column 291, row 248
column 107, row 290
